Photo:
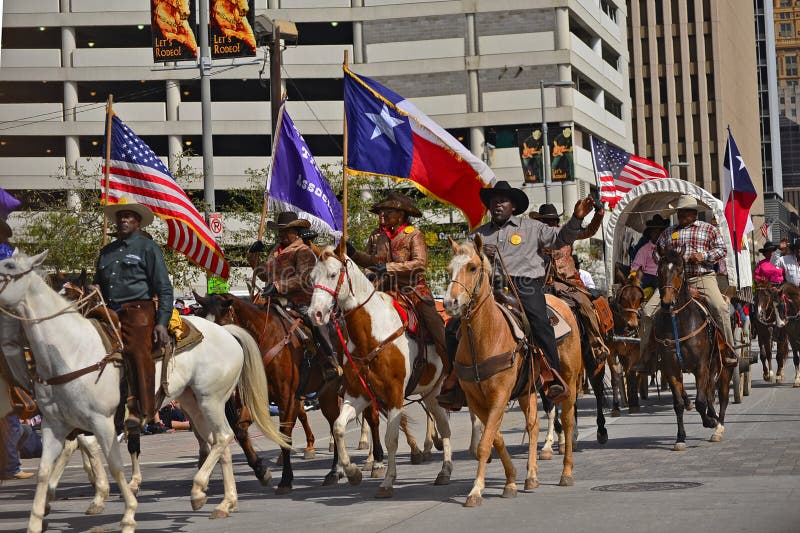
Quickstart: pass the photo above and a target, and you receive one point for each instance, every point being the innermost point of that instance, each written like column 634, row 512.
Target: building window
column 786, row 29
column 790, row 63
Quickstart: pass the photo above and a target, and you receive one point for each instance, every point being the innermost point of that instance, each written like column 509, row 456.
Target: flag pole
column 602, row 226
column 108, row 162
column 344, row 169
column 275, row 136
column 736, row 243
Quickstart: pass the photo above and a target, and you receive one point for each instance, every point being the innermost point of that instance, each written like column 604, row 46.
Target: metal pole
column 205, row 107
column 275, row 76
column 545, row 148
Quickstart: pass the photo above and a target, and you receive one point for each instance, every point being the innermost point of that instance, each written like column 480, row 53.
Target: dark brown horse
column 791, row 299
column 283, row 371
column 685, row 340
column 768, row 325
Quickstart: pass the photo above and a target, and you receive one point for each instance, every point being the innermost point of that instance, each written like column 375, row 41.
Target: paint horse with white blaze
column 380, row 354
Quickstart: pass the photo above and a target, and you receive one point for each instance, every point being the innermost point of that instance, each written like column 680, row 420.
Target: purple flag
column 7, row 204
column 296, row 184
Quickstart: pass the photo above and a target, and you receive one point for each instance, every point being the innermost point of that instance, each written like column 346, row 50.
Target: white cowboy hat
column 129, row 204
column 686, row 202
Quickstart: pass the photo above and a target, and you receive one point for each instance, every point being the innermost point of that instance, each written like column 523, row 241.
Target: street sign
column 215, row 285
column 215, row 224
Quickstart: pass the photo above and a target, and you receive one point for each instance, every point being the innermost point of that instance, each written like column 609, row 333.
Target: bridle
column 335, row 292
column 6, row 279
column 622, row 289
column 472, row 306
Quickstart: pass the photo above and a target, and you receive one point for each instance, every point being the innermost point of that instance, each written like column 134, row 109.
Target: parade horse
column 77, row 385
column 791, row 298
column 379, row 354
column 769, row 325
column 686, row 340
column 488, row 342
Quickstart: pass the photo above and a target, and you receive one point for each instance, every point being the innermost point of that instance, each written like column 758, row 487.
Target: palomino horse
column 77, row 386
column 791, row 297
column 380, row 356
column 686, row 340
column 486, row 336
column 769, row 326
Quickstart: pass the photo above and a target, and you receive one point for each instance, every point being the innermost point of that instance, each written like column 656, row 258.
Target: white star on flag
column 741, row 162
column 384, row 124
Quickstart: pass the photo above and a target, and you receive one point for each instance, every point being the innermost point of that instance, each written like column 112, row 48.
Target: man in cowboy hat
column 567, row 285
column 396, row 252
column 287, row 272
column 703, row 248
column 787, row 260
column 130, row 271
column 765, row 269
column 520, row 241
column 643, row 259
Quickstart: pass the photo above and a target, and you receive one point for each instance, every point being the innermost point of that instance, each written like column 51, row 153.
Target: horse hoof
column 384, row 492
column 546, row 455
column 438, row 444
column 280, row 491
column 46, row 511
column 266, row 481
column 634, row 409
column 531, row 483
column 378, row 472
column 128, row 527
column 679, row 447
column 796, row 385
column 473, row 501
column 566, row 481
column 309, row 454
column 509, row 492
column 331, row 479
column 416, row 458
column 218, row 513
column 362, row 445
column 778, row 379
column 602, row 436
column 615, row 412
column 442, row 479
column 715, row 438
column 355, row 479
column 426, row 456
column 198, row 503
column 367, row 466
column 94, row 509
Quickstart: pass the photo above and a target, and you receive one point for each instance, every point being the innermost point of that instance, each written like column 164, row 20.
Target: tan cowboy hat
column 5, row 230
column 397, row 200
column 518, row 196
column 127, row 203
column 286, row 220
column 686, row 202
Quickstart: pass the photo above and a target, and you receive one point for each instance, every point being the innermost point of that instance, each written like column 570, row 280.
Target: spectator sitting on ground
column 173, row 417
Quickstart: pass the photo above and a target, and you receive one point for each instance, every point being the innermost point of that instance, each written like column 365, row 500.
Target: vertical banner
column 529, row 142
column 172, row 24
column 231, row 28
column 562, row 163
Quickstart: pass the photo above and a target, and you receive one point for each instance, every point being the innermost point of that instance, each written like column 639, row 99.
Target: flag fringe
column 317, row 224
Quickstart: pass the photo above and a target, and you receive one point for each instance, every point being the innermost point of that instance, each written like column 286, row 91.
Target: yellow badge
column 408, row 229
column 675, row 236
column 515, row 239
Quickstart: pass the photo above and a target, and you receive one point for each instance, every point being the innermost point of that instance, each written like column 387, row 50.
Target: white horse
column 202, row 378
column 384, row 352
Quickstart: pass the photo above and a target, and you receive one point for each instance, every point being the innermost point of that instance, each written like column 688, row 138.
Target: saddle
column 408, row 315
column 518, row 322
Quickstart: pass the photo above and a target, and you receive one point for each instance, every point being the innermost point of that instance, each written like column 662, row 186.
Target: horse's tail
column 253, row 386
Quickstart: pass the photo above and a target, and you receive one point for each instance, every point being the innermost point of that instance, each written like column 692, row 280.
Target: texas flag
column 388, row 136
column 738, row 194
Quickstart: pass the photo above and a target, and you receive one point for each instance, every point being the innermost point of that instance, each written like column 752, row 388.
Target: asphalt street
column 750, row 482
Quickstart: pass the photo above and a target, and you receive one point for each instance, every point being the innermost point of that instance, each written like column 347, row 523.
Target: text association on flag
column 135, row 171
column 619, row 171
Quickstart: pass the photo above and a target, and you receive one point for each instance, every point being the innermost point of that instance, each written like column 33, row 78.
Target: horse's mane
column 673, row 255
column 468, row 248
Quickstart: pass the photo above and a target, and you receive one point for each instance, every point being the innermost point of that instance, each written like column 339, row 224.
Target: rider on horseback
column 130, row 271
column 702, row 247
column 520, row 241
column 287, row 273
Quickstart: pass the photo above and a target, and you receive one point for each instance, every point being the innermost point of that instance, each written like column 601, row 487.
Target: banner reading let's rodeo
column 172, row 23
column 230, row 31
column 529, row 143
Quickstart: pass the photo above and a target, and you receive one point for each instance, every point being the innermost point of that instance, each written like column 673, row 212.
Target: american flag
column 765, row 228
column 138, row 173
column 618, row 171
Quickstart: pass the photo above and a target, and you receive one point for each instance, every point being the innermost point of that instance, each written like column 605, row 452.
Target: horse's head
column 791, row 299
column 670, row 275
column 469, row 275
column 765, row 298
column 629, row 300
column 216, row 308
column 15, row 278
column 328, row 277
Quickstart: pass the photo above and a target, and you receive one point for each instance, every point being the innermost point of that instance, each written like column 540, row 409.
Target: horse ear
column 341, row 249
column 619, row 277
column 38, row 259
column 478, row 243
column 453, row 244
column 82, row 278
column 202, row 300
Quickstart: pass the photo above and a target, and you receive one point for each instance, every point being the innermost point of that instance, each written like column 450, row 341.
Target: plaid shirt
column 698, row 237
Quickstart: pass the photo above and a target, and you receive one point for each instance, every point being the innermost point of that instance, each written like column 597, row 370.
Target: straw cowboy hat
column 546, row 212
column 686, row 202
column 5, row 230
column 518, row 197
column 287, row 220
column 769, row 246
column 129, row 204
column 397, row 200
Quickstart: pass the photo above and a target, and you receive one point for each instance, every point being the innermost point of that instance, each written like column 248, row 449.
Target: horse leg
column 443, row 425
column 475, row 434
column 704, row 398
column 239, row 421
column 351, row 407
column 52, row 446
column 416, row 453
column 329, row 406
column 364, row 438
column 59, row 465
column 430, row 434
column 724, row 397
column 599, row 394
column 136, row 469
column 568, row 422
column 92, row 455
column 550, row 409
column 676, row 386
column 781, row 354
column 393, row 420
column 288, row 417
column 491, row 418
column 616, row 386
column 375, row 460
column 528, row 405
column 310, row 452
column 106, row 437
column 796, row 361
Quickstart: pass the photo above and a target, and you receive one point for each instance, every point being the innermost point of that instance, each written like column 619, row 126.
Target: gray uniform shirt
column 521, row 238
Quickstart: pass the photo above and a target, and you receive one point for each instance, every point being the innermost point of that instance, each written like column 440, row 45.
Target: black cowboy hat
column 399, row 201
column 546, row 212
column 769, row 246
column 658, row 222
column 286, row 220
column 518, row 197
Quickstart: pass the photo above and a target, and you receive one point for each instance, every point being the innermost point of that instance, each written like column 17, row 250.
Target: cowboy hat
column 5, row 230
column 546, row 212
column 518, row 197
column 769, row 246
column 657, row 222
column 399, row 201
column 286, row 220
column 129, row 204
column 686, row 202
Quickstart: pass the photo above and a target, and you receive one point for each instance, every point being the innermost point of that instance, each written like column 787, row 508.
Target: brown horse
column 686, row 340
column 769, row 326
column 791, row 298
column 486, row 339
column 283, row 370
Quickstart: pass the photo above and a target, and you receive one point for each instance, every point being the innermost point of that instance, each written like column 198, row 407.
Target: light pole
column 671, row 164
column 545, row 144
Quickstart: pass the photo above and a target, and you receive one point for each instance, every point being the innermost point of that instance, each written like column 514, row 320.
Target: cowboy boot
column 729, row 356
column 451, row 396
column 556, row 389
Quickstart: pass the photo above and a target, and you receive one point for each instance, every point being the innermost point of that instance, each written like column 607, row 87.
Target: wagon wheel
column 738, row 384
column 747, row 381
